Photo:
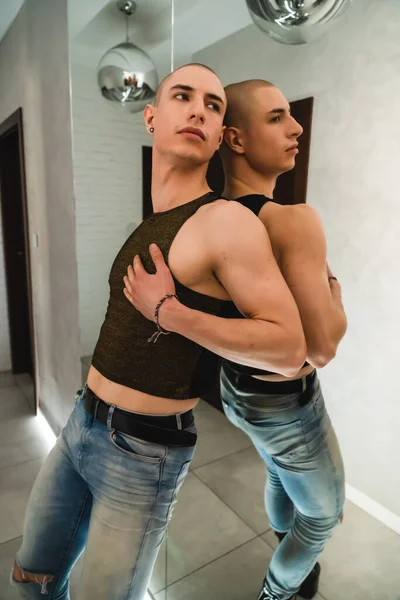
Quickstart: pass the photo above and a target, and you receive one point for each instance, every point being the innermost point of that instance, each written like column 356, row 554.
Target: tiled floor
column 219, row 542
column 23, row 447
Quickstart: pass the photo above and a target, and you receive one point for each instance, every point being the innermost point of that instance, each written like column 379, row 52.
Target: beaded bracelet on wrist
column 160, row 330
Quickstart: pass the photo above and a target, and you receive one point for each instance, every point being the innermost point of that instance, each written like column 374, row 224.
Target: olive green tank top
column 173, row 367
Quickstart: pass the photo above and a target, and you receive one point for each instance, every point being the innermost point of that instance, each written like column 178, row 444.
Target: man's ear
column 221, row 138
column 149, row 114
column 233, row 139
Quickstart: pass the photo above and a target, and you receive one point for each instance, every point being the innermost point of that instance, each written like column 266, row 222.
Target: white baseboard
column 379, row 512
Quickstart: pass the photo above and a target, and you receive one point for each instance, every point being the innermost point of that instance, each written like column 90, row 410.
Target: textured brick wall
column 108, row 190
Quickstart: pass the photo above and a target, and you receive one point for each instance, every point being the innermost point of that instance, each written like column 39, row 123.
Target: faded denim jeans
column 109, row 493
column 305, row 491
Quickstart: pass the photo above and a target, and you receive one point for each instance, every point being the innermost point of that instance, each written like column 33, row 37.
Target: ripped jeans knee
column 35, row 581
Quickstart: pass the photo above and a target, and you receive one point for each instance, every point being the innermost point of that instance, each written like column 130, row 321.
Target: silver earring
column 151, row 129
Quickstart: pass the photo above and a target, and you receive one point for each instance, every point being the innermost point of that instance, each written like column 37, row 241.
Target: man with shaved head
column 285, row 417
column 110, row 483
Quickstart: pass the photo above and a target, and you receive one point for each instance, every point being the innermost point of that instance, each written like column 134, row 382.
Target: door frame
column 15, row 122
column 302, row 167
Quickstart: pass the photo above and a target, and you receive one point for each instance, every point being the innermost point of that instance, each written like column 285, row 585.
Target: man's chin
column 191, row 156
column 288, row 166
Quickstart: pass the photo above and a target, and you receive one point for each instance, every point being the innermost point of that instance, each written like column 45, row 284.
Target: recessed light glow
column 46, row 429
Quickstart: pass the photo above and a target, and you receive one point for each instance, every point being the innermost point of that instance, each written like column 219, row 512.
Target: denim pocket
column 229, row 413
column 178, row 484
column 315, row 423
column 136, row 448
column 319, row 405
column 282, row 441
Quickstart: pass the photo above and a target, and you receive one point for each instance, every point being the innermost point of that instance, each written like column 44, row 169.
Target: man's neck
column 176, row 184
column 239, row 183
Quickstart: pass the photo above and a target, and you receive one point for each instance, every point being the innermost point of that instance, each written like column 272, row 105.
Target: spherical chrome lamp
column 295, row 21
column 126, row 74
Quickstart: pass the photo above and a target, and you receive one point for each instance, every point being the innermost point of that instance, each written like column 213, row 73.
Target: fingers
column 128, row 295
column 128, row 285
column 137, row 265
column 157, row 256
column 129, row 279
column 135, row 269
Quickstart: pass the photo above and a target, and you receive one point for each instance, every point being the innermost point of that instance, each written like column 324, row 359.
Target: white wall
column 354, row 75
column 108, row 191
column 34, row 71
column 5, row 349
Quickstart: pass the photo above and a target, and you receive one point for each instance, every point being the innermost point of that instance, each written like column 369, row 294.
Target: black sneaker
column 309, row 587
column 266, row 595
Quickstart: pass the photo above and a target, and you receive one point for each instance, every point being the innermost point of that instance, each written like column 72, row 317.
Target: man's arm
column 304, row 267
column 271, row 337
column 336, row 291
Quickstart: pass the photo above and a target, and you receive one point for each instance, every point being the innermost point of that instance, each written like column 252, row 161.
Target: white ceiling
column 97, row 25
column 8, row 11
column 198, row 23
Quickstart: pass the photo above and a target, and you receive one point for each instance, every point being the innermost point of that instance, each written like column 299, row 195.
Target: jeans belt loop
column 96, row 408
column 179, row 421
column 304, row 384
column 110, row 415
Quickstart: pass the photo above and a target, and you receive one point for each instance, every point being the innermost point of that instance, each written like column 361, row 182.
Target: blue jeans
column 105, row 491
column 304, row 494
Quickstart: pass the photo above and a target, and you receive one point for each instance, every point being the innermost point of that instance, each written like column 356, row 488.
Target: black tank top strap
column 254, row 202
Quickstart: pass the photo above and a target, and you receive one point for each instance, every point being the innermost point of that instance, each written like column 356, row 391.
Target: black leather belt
column 167, row 431
column 251, row 384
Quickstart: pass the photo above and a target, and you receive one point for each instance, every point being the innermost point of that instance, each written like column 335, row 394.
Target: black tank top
column 254, row 202
column 173, row 367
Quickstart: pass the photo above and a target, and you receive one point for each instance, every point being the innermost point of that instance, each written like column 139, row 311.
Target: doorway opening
column 17, row 264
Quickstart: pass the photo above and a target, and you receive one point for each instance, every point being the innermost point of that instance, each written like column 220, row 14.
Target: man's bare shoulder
column 303, row 213
column 294, row 219
column 225, row 215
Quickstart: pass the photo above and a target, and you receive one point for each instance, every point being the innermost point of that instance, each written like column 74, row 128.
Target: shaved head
column 192, row 97
column 261, row 133
column 164, row 81
column 239, row 97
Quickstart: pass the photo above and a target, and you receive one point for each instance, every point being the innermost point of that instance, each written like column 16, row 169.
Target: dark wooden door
column 147, row 163
column 16, row 247
column 291, row 187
